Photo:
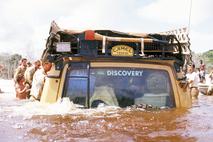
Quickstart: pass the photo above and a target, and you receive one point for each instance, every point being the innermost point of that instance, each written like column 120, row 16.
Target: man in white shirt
column 38, row 80
column 28, row 75
column 193, row 81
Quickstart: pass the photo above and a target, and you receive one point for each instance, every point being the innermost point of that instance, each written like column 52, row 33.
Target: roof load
column 173, row 44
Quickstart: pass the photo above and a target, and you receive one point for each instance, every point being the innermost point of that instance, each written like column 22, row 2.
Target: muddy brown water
column 63, row 122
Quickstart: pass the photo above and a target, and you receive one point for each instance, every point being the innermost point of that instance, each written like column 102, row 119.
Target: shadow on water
column 33, row 121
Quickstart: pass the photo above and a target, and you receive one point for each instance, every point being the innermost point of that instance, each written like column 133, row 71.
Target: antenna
column 190, row 13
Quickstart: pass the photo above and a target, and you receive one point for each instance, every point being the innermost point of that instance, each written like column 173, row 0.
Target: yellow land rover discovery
column 115, row 68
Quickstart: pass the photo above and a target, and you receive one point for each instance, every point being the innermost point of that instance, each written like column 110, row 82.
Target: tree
column 208, row 58
column 9, row 63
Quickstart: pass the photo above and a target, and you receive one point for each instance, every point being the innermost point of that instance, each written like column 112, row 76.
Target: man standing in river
column 39, row 79
column 202, row 72
column 21, row 69
column 193, row 80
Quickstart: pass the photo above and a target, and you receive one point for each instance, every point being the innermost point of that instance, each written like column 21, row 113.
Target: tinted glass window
column 76, row 83
column 126, row 87
column 78, row 69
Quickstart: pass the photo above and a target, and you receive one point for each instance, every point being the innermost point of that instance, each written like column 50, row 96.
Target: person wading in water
column 193, row 80
column 39, row 79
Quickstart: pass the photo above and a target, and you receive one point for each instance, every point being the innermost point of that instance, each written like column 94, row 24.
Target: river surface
column 22, row 121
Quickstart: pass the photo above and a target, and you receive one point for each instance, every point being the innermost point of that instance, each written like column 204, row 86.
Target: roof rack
column 99, row 43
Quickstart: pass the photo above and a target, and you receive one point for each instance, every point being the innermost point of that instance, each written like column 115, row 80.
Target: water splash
column 62, row 107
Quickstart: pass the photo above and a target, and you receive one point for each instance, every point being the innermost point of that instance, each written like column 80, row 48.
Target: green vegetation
column 207, row 57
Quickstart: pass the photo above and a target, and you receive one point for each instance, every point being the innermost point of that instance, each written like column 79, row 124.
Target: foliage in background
column 207, row 58
column 8, row 65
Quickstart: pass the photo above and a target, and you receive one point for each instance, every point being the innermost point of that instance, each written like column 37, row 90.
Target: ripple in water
column 65, row 121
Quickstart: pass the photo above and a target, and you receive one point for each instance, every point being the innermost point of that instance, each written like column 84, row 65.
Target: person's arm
column 18, row 70
column 18, row 90
column 190, row 81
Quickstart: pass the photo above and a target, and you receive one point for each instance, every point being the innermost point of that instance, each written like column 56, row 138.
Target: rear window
column 119, row 86
column 126, row 87
column 76, row 87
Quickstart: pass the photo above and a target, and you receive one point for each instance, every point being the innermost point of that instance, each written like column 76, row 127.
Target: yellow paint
column 122, row 50
column 49, row 92
column 62, row 82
